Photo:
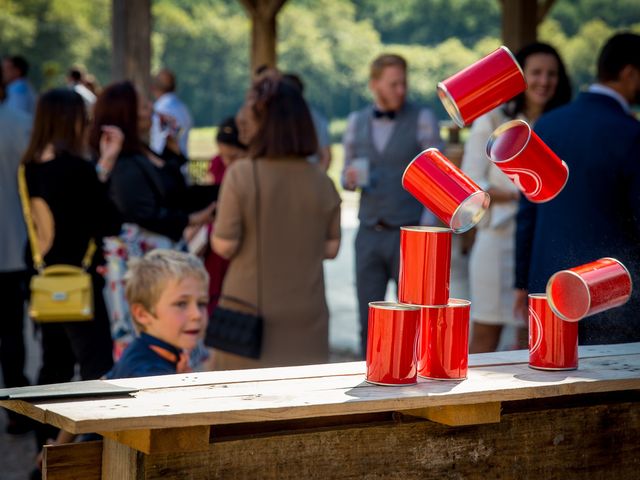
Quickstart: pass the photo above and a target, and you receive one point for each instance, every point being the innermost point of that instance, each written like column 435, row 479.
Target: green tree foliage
column 206, row 43
column 54, row 34
column 330, row 43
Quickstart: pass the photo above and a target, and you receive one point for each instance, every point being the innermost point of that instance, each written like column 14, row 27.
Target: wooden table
column 323, row 421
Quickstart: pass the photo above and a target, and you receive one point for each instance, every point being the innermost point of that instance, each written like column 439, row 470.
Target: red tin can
column 425, row 262
column 528, row 162
column 589, row 289
column 391, row 343
column 553, row 343
column 443, row 346
column 445, row 190
column 482, row 86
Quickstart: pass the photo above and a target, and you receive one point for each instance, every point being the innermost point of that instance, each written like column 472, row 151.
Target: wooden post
column 520, row 19
column 131, row 39
column 263, row 15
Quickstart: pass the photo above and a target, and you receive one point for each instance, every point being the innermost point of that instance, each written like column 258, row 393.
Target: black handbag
column 234, row 331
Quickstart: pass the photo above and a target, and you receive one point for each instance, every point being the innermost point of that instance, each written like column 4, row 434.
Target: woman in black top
column 70, row 207
column 150, row 192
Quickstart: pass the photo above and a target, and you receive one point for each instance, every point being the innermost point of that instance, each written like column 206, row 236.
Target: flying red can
column 482, row 86
column 553, row 342
column 445, row 190
column 589, row 289
column 528, row 162
column 443, row 346
column 425, row 265
column 391, row 343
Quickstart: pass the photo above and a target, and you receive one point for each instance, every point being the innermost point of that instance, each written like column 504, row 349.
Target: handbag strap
column 38, row 261
column 258, row 249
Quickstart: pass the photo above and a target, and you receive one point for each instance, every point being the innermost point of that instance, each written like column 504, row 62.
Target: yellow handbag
column 59, row 293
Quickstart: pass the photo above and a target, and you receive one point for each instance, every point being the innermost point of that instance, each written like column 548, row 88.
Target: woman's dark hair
column 562, row 94
column 285, row 126
column 117, row 105
column 60, row 120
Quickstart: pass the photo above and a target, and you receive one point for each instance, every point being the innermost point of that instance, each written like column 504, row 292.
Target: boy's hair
column 147, row 277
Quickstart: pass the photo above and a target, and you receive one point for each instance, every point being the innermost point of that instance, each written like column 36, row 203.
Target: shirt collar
column 162, row 348
column 610, row 92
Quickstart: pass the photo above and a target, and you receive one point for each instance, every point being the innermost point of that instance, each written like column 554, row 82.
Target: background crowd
column 109, row 167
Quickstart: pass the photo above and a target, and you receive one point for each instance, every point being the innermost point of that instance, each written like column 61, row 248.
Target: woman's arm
column 227, row 230
column 225, row 248
column 332, row 243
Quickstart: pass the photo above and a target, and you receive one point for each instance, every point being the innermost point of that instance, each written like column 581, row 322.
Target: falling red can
column 589, row 289
column 553, row 343
column 443, row 346
column 391, row 343
column 425, row 265
column 528, row 162
column 445, row 190
column 482, row 86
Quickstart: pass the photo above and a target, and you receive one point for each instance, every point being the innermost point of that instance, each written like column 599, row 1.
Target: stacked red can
column 427, row 333
column 425, row 261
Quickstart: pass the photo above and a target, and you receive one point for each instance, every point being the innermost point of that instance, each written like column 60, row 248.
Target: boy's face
column 180, row 316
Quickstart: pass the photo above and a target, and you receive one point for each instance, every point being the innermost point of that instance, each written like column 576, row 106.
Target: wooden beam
column 601, row 441
column 458, row 415
column 131, row 40
column 162, row 440
column 119, row 462
column 263, row 14
column 72, row 460
column 519, row 23
column 543, row 9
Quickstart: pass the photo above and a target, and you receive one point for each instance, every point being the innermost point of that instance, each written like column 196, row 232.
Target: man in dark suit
column 598, row 212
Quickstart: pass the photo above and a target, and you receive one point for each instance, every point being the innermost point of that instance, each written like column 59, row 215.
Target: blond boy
column 168, row 295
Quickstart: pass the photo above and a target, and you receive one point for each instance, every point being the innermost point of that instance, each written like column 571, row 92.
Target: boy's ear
column 141, row 314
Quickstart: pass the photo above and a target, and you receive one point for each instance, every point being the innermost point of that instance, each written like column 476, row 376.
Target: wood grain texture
column 595, row 442
column 328, row 396
column 458, row 415
column 162, row 440
column 72, row 461
column 119, row 462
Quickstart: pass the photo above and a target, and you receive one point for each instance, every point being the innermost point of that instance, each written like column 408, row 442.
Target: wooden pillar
column 263, row 15
column 131, row 39
column 520, row 20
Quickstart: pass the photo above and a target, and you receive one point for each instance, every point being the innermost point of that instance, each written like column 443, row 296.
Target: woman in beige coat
column 278, row 218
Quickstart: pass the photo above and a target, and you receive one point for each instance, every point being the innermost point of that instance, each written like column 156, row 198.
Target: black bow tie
column 381, row 114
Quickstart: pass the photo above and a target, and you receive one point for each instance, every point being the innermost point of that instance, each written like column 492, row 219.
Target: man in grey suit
column 15, row 128
column 379, row 142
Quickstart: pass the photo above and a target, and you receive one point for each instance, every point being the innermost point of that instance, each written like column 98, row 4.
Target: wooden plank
column 119, row 462
column 596, row 442
column 72, row 461
column 458, row 415
column 349, row 394
column 161, row 440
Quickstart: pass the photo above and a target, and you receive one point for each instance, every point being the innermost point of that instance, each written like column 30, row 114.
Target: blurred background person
column 15, row 129
column 321, row 125
column 379, row 142
column 492, row 260
column 75, row 81
column 230, row 149
column 596, row 214
column 278, row 218
column 171, row 117
column 149, row 191
column 18, row 90
column 70, row 208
